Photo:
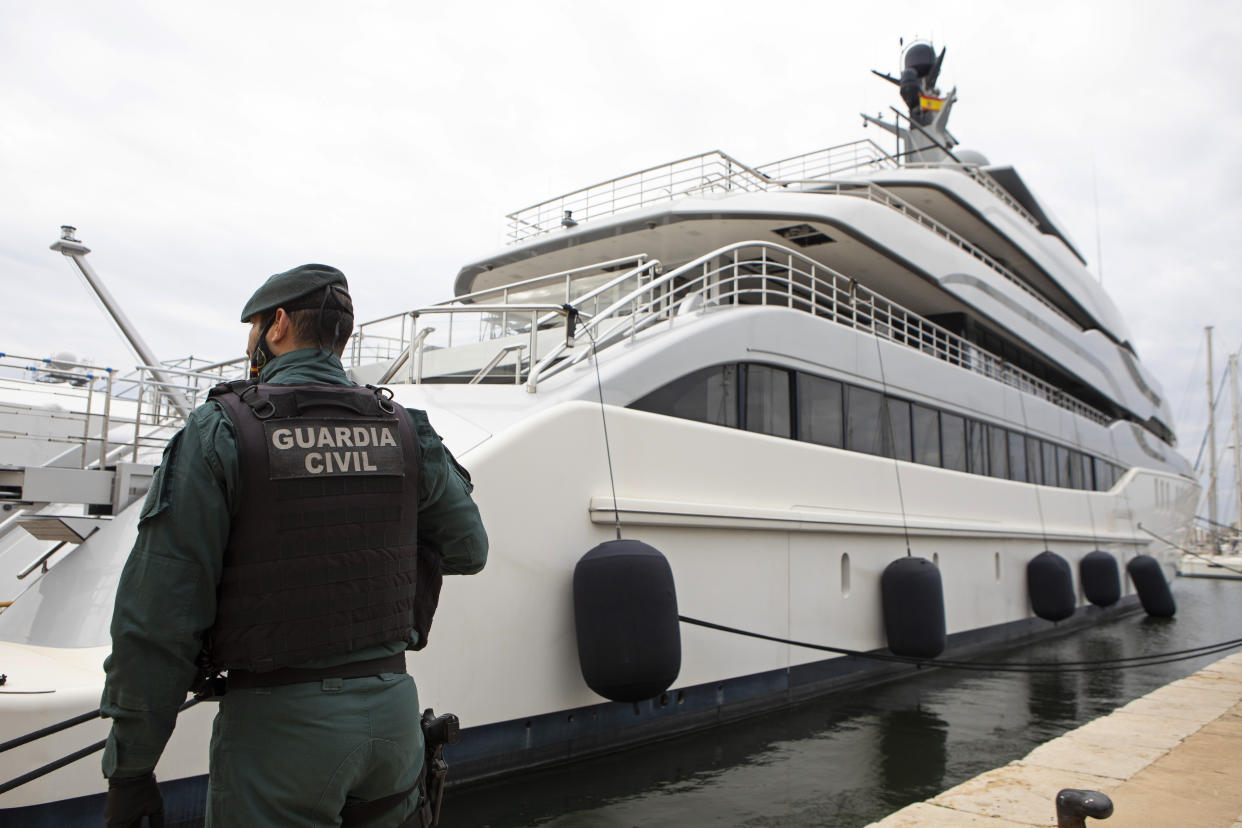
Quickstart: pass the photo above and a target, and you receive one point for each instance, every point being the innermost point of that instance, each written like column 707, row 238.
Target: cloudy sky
column 201, row 147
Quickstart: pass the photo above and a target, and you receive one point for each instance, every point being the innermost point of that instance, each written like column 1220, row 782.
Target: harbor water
column 851, row 758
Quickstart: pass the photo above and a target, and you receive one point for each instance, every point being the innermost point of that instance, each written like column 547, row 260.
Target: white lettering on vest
column 282, row 438
column 386, row 438
column 305, row 437
column 343, row 437
column 367, row 465
column 314, row 463
column 325, row 438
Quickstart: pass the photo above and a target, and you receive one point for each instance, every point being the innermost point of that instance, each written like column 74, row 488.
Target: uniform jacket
column 166, row 598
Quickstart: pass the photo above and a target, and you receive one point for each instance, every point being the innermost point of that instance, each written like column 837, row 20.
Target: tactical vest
column 322, row 553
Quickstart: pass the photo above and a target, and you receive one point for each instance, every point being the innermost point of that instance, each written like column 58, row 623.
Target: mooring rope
column 1095, row 665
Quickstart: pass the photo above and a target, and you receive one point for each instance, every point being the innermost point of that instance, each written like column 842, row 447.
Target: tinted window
column 1017, row 456
column 976, row 448
column 1088, row 478
column 1063, row 467
column 897, row 436
column 1034, row 465
column 862, row 421
column 925, row 423
column 707, row 396
column 1049, row 452
column 1103, row 475
column 998, row 452
column 1073, row 463
column 952, row 441
column 767, row 400
column 819, row 411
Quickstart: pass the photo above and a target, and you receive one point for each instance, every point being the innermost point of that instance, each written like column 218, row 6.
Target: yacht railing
column 880, row 195
column 764, row 273
column 496, row 315
column 831, row 161
column 710, row 172
column 718, row 172
column 981, row 177
column 95, row 414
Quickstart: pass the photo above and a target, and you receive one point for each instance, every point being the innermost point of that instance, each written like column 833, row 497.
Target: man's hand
column 132, row 798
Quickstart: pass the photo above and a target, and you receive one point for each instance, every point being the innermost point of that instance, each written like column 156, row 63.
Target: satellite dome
column 972, row 157
column 63, row 360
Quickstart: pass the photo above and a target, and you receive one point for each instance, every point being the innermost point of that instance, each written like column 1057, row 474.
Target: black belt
column 244, row 679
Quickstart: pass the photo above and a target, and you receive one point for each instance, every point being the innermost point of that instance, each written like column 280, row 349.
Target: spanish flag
column 929, row 103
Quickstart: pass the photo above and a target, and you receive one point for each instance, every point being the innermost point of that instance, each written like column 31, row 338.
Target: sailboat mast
column 1211, row 395
column 1237, row 444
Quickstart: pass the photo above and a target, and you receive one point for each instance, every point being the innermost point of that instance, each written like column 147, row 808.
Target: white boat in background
column 783, row 378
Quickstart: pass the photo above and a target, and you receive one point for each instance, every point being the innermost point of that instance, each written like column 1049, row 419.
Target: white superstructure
column 805, row 370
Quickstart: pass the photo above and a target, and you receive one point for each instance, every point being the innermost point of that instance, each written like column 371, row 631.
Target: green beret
column 281, row 290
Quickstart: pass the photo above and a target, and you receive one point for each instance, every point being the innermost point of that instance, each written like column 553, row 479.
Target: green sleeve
column 448, row 519
column 166, row 598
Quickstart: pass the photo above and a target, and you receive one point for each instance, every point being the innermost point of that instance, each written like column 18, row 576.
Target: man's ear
column 280, row 329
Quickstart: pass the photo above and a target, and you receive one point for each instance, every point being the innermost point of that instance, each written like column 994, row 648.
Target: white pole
column 1211, row 492
column 1237, row 443
column 74, row 249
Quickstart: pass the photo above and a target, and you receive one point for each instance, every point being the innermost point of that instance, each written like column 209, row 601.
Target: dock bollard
column 1074, row 806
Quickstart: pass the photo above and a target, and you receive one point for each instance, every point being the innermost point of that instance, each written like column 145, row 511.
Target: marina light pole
column 74, row 249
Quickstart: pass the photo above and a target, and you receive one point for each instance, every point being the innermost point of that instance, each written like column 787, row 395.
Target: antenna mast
column 74, row 249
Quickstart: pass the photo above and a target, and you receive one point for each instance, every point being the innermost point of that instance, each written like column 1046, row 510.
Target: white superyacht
column 784, row 378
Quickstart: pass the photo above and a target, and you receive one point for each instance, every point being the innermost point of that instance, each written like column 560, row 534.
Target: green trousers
column 293, row 756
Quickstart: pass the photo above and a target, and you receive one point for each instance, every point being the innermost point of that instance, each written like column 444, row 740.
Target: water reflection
column 913, row 752
column 850, row 759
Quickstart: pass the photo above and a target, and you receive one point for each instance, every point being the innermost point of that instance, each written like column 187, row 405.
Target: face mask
column 260, row 356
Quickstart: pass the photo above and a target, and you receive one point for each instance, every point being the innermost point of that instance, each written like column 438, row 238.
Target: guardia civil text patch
column 313, row 447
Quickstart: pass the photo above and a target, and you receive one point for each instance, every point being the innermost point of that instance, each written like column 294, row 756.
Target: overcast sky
column 201, row 147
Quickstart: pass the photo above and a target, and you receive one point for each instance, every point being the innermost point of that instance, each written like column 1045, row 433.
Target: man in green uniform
column 319, row 719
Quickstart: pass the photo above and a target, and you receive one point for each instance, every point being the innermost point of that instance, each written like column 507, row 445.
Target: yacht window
column 706, row 396
column 1051, row 469
column 1074, row 462
column 925, row 424
column 998, row 452
column 1017, row 457
column 819, row 411
column 1088, row 478
column 1064, row 477
column 1034, row 465
column 862, row 420
column 952, row 441
column 897, row 433
column 767, row 400
column 1104, row 478
column 976, row 448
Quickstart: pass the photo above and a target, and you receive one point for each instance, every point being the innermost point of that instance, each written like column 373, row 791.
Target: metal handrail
column 829, row 161
column 880, row 195
column 781, row 276
column 500, row 355
column 706, row 172
column 984, row 179
column 41, row 560
column 510, row 287
column 153, row 391
column 547, row 313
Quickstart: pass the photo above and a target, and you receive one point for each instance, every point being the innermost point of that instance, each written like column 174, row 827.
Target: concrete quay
column 1171, row 759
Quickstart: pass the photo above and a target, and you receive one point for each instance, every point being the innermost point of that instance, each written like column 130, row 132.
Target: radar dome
column 63, row 360
column 921, row 58
column 972, row 157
